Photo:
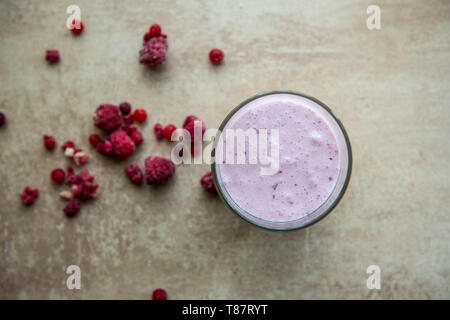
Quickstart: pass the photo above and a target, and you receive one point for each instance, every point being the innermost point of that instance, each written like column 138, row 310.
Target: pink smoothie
column 309, row 162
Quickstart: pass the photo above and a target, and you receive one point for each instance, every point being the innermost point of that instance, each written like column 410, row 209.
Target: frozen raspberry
column 29, row 195
column 49, row 142
column 134, row 173
column 68, row 144
column 128, row 119
column 2, row 119
column 154, row 51
column 72, row 208
column 81, row 185
column 129, row 129
column 52, row 56
column 158, row 169
column 189, row 124
column 136, row 136
column 58, row 176
column 168, row 130
column 80, row 157
column 207, row 183
column 105, row 148
column 125, row 108
column 216, row 56
column 94, row 139
column 123, row 146
column 159, row 131
column 77, row 27
column 140, row 115
column 107, row 117
column 155, row 30
column 159, row 294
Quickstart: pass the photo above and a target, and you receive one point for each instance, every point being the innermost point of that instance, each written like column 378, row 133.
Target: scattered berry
column 52, row 56
column 105, row 148
column 122, row 145
column 216, row 56
column 155, row 30
column 107, row 117
column 159, row 294
column 77, row 27
column 134, row 173
column 29, row 195
column 58, row 176
column 190, row 123
column 49, row 142
column 81, row 185
column 168, row 130
column 94, row 139
column 125, row 108
column 207, row 183
column 2, row 119
column 159, row 131
column 72, row 208
column 68, row 144
column 154, row 51
column 140, row 115
column 80, row 157
column 128, row 119
column 158, row 169
column 136, row 136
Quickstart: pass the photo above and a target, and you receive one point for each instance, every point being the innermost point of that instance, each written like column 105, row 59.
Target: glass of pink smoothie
column 303, row 163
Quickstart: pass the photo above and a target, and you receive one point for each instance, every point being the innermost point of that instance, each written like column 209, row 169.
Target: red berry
column 77, row 27
column 207, row 183
column 58, row 175
column 216, row 56
column 189, row 124
column 107, row 117
column 134, row 173
column 52, row 56
column 158, row 169
column 2, row 119
column 29, row 195
column 94, row 139
column 136, row 136
column 159, row 131
column 168, row 130
column 122, row 145
column 154, row 51
column 159, row 294
column 68, row 144
column 49, row 142
column 125, row 108
column 140, row 115
column 105, row 148
column 155, row 30
column 72, row 207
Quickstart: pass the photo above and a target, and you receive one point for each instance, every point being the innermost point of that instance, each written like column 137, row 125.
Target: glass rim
column 341, row 192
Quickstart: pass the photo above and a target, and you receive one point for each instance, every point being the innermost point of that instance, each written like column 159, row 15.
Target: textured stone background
column 390, row 88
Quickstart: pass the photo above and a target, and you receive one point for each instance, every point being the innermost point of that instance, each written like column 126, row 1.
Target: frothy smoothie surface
column 308, row 159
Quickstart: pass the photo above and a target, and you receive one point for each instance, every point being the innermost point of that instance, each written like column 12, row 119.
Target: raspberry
column 80, row 157
column 207, row 183
column 134, row 173
column 154, row 51
column 107, row 117
column 159, row 294
column 68, row 144
column 189, row 124
column 49, row 142
column 168, row 130
column 52, row 56
column 159, row 131
column 94, row 139
column 136, row 136
column 129, row 129
column 216, row 56
column 29, row 195
column 81, row 185
column 155, row 30
column 140, row 115
column 158, row 169
column 128, row 119
column 58, row 176
column 72, row 208
column 2, row 119
column 74, row 26
column 125, row 108
column 122, row 145
column 105, row 148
